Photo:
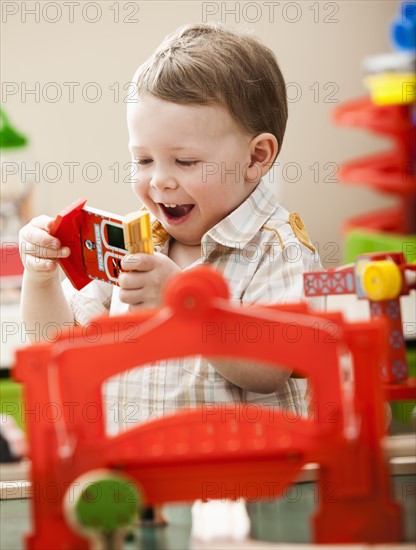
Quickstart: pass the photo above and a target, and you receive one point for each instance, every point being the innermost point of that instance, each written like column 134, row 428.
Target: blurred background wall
column 66, row 68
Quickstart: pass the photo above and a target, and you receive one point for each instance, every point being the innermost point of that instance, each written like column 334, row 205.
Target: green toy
column 362, row 241
column 9, row 136
column 104, row 505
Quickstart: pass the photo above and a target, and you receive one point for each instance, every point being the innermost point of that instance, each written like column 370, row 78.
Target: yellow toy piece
column 391, row 88
column 138, row 232
column 381, row 280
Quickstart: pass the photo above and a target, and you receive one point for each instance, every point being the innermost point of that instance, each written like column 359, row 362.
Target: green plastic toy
column 362, row 241
column 104, row 505
column 9, row 136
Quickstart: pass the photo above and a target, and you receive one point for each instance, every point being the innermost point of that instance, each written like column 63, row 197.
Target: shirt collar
column 239, row 227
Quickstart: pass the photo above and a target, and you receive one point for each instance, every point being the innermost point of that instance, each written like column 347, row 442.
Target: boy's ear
column 263, row 151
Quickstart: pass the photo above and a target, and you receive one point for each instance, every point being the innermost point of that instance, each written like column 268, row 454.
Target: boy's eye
column 143, row 161
column 187, row 162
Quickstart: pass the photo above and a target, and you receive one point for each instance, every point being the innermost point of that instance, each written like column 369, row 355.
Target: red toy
column 98, row 241
column 391, row 172
column 176, row 458
column 379, row 278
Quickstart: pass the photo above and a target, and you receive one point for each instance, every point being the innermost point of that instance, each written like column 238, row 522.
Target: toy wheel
column 102, row 501
column 381, row 280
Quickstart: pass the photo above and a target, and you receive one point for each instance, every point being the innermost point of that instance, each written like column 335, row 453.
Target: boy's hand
column 39, row 250
column 145, row 278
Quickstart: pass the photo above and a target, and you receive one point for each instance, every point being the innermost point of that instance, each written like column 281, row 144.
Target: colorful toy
column 403, row 28
column 390, row 111
column 381, row 279
column 392, row 89
column 98, row 241
column 213, row 451
column 358, row 240
column 392, row 78
column 89, row 507
column 391, row 172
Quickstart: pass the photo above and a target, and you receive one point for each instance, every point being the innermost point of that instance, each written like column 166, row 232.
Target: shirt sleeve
column 91, row 301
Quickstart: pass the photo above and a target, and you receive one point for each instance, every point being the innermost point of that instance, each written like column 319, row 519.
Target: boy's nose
column 163, row 181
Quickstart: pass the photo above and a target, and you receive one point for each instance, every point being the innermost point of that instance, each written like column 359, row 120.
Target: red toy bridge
column 180, row 456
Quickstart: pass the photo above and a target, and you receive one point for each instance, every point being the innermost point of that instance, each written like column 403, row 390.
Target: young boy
column 208, row 124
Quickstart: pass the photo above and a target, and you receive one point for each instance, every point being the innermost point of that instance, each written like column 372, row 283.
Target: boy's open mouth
column 176, row 210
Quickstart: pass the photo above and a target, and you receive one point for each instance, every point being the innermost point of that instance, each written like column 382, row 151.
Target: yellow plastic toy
column 382, row 280
column 391, row 88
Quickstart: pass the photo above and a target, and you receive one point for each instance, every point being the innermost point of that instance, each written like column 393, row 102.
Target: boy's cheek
column 140, row 183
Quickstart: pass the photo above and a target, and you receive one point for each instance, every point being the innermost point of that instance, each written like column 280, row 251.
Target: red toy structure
column 379, row 278
column 176, row 458
column 391, row 172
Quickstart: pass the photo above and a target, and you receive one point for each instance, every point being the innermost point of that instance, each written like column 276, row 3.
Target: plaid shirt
column 262, row 252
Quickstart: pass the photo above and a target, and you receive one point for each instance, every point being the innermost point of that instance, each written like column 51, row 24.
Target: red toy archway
column 175, row 457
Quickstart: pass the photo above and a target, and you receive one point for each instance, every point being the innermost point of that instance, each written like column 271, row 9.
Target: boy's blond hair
column 209, row 63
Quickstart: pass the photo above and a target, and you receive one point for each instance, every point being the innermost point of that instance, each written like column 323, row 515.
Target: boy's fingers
column 131, row 280
column 42, row 222
column 46, row 252
column 131, row 297
column 138, row 262
column 35, row 235
column 36, row 242
column 39, row 264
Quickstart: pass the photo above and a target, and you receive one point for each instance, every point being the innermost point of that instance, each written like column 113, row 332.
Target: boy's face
column 190, row 164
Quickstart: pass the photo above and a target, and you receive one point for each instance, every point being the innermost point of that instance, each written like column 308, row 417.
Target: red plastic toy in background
column 11, row 266
column 176, row 458
column 380, row 279
column 392, row 172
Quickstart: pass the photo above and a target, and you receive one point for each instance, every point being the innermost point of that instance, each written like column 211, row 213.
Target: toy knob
column 191, row 292
column 382, row 280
